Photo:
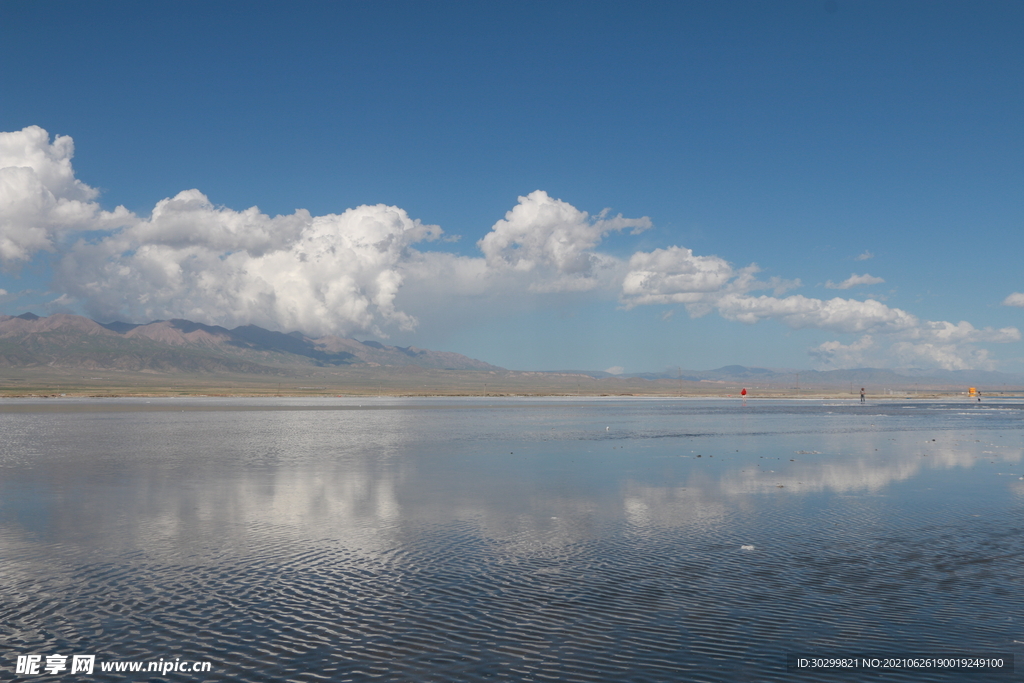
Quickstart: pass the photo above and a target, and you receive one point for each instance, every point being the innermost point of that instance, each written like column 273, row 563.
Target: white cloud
column 676, row 275
column 555, row 242
column 799, row 312
column 889, row 335
column 909, row 341
column 323, row 275
column 335, row 274
column 40, row 198
column 943, row 332
column 945, row 356
column 673, row 275
column 615, row 370
column 855, row 280
column 360, row 271
column 866, row 352
column 707, row 283
column 189, row 219
column 1015, row 299
column 865, row 256
column 544, row 250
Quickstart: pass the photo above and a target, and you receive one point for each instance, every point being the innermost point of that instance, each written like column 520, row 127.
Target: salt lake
column 558, row 539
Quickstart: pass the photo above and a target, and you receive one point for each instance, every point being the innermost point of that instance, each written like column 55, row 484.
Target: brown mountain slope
column 183, row 346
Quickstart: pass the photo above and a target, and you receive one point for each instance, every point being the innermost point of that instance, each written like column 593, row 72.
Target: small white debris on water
column 607, row 428
column 746, row 547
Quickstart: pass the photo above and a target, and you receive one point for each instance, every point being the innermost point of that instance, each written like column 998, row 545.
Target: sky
column 629, row 187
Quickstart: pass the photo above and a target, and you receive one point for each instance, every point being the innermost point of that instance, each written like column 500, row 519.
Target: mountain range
column 72, row 341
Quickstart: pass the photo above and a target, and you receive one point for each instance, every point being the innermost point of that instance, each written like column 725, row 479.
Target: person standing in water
column 862, row 394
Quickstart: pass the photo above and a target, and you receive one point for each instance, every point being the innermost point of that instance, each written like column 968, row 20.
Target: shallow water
column 515, row 539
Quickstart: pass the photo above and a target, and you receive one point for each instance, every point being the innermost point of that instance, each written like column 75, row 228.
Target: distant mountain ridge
column 73, row 341
column 874, row 377
column 168, row 346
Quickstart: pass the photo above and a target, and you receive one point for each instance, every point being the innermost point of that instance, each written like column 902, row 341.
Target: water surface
column 513, row 539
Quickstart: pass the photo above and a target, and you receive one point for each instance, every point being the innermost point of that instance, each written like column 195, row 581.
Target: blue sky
column 818, row 140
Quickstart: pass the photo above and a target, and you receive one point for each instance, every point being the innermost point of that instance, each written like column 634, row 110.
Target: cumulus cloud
column 867, row 352
column 360, row 271
column 190, row 219
column 673, row 275
column 555, row 242
column 855, row 280
column 949, row 333
column 945, row 356
column 865, row 256
column 708, row 283
column 909, row 341
column 701, row 283
column 324, row 274
column 856, row 317
column 334, row 274
column 40, row 198
column 799, row 312
column 924, row 343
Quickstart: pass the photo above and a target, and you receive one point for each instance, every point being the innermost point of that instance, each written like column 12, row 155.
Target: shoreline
column 411, row 382
column 803, row 395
